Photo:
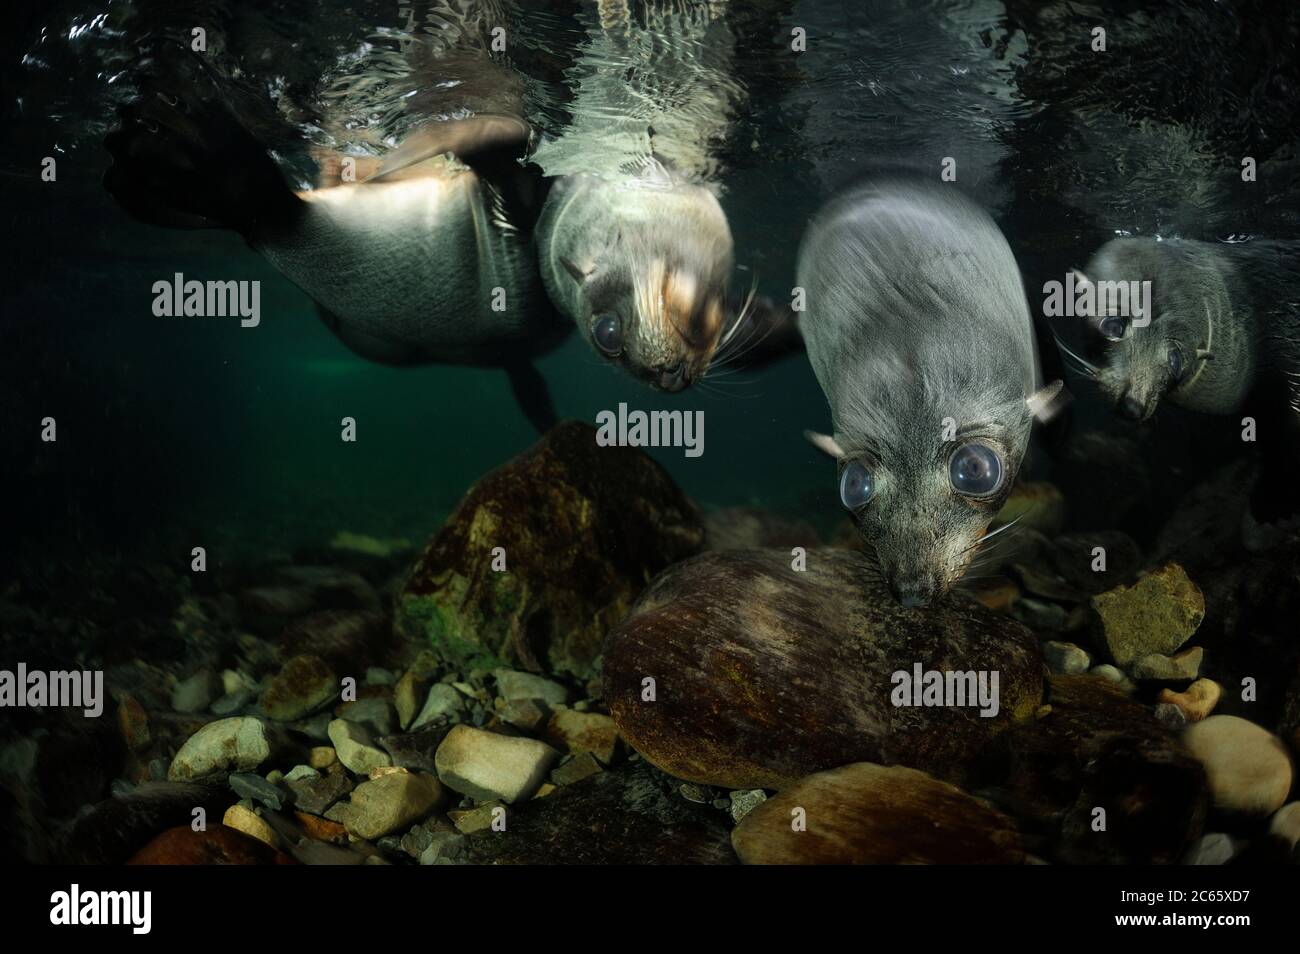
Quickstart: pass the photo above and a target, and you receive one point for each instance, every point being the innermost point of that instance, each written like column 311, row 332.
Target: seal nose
column 672, row 377
column 909, row 595
column 1131, row 407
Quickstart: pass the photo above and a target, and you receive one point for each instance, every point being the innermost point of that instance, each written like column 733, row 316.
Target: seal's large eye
column 975, row 470
column 1176, row 363
column 856, row 486
column 608, row 333
column 1112, row 327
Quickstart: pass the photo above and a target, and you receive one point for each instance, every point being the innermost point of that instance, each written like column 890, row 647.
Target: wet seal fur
column 652, row 250
column 1225, row 320
column 432, row 253
column 920, row 336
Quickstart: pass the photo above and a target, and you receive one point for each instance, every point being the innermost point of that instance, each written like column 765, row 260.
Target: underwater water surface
column 181, row 432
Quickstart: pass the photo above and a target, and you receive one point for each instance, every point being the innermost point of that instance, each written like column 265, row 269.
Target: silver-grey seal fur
column 1224, row 318
column 919, row 333
column 471, row 242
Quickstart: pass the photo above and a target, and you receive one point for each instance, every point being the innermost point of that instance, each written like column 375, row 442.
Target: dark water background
column 186, row 432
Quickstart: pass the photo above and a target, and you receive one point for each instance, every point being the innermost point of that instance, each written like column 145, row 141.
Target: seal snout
column 1133, row 408
column 912, row 594
column 672, row 376
column 913, row 590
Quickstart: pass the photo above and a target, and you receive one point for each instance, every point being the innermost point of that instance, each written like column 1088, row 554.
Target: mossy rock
column 1157, row 614
column 582, row 530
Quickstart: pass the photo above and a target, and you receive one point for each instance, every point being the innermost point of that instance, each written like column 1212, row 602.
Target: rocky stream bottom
column 583, row 667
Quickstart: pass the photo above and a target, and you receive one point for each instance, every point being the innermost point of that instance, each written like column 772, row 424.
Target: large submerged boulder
column 735, row 669
column 580, row 530
column 1097, row 778
column 868, row 814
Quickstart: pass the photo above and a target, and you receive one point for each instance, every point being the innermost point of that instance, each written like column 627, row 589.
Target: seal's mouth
column 680, row 320
column 672, row 378
column 1135, row 407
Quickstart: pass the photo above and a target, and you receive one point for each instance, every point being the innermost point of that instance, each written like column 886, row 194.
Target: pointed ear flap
column 825, row 443
column 1048, row 401
column 579, row 275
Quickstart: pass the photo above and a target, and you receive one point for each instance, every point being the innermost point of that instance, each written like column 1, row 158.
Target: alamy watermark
column 1080, row 297
column 79, row 690
column 75, row 906
column 212, row 299
column 626, row 428
column 954, row 688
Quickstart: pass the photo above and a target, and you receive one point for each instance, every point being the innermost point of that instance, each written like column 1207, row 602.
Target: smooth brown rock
column 626, row 816
column 114, row 829
column 1197, row 701
column 578, row 732
column 303, row 684
column 872, row 814
column 763, row 675
column 1096, row 748
column 322, row 829
column 218, row 845
column 583, row 528
column 748, row 528
column 348, row 640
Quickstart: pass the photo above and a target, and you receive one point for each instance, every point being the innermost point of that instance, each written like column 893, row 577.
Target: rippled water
column 202, row 425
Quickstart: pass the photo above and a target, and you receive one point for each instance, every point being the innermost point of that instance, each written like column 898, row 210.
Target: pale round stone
column 1248, row 768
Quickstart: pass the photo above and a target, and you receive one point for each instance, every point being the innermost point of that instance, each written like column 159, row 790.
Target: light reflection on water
column 1069, row 146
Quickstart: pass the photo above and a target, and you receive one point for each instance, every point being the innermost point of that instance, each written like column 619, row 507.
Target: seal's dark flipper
column 766, row 333
column 533, row 395
column 182, row 160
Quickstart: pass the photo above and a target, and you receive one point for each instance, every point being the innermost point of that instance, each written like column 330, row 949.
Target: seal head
column 641, row 266
column 920, row 336
column 1184, row 344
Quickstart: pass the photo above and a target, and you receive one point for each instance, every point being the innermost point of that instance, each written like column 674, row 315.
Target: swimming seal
column 642, row 263
column 423, row 256
column 1224, row 320
column 921, row 339
column 453, row 248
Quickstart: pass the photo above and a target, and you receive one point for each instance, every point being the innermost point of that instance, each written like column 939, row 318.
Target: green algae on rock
column 581, row 530
column 867, row 814
column 1157, row 614
column 762, row 675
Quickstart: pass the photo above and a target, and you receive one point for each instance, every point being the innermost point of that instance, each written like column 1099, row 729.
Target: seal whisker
column 1081, row 364
column 998, row 532
column 749, row 343
column 741, row 316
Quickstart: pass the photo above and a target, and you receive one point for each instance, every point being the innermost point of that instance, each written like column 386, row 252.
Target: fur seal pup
column 452, row 248
column 642, row 264
column 1224, row 320
column 425, row 256
column 920, row 336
